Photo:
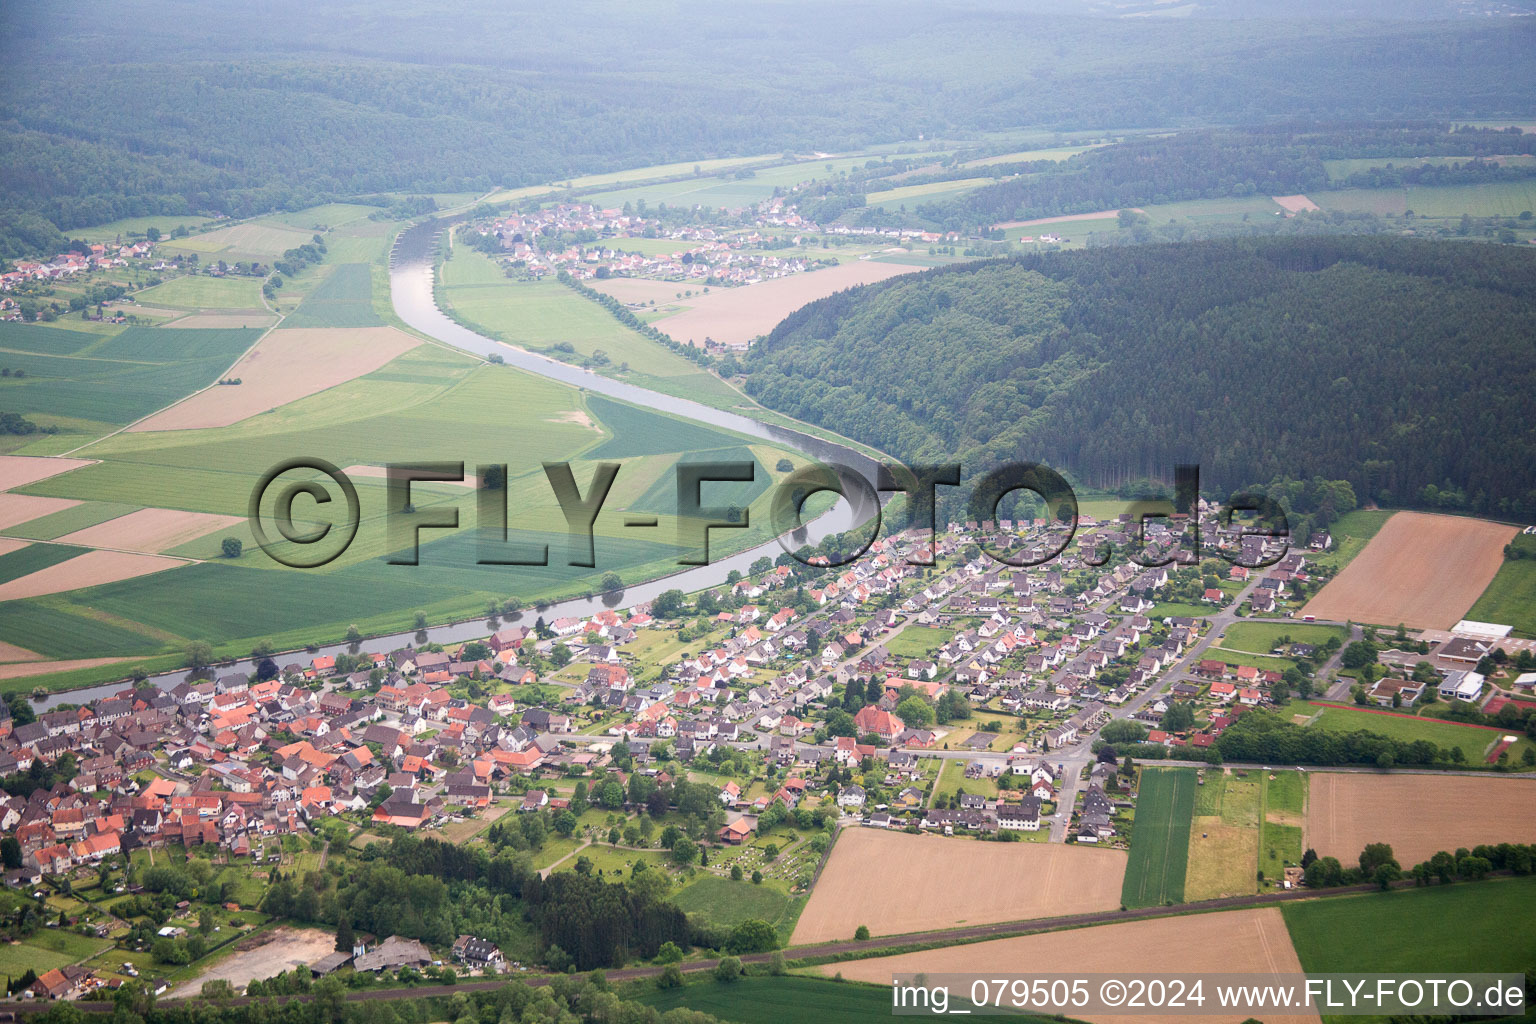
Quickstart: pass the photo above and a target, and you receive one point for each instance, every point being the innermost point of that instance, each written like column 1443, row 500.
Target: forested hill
column 111, row 109
column 1403, row 366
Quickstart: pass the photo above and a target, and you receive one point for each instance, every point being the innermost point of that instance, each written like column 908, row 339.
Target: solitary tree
column 232, row 547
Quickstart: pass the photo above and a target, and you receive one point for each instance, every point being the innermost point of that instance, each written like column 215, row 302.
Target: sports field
column 1165, row 803
column 1418, row 815
column 1235, row 941
column 948, row 882
column 1421, row 570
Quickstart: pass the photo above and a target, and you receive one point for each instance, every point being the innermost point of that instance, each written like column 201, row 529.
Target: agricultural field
column 119, row 379
column 760, row 1000
column 540, row 315
column 1341, row 169
column 1511, row 595
column 328, row 356
column 934, row 191
column 261, row 240
column 343, row 299
column 1421, row 570
column 1223, row 836
column 949, row 882
column 1024, row 156
column 741, row 314
column 426, row 404
column 1282, row 816
column 1235, row 941
column 1473, row 740
column 204, row 292
column 1477, row 927
column 1418, row 815
column 1159, row 855
column 1494, row 199
column 1350, row 533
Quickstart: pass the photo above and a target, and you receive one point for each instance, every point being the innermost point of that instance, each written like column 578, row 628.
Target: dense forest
column 238, row 109
column 1275, row 161
column 1399, row 365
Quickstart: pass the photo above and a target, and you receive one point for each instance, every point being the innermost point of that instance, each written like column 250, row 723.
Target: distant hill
column 1400, row 365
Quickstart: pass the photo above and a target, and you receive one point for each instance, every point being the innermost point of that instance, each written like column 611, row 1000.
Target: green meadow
column 203, row 292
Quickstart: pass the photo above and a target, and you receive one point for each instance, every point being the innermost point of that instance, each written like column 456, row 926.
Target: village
column 960, row 698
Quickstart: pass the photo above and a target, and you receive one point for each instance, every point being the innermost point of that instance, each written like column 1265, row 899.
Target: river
column 411, row 274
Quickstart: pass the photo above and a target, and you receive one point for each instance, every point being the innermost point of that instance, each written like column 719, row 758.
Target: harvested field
column 264, row 955
column 150, row 530
column 7, row 545
column 1236, row 941
column 1421, row 570
column 1418, row 814
column 88, row 570
column 948, row 882
column 25, row 669
column 741, row 314
column 1223, row 860
column 1295, row 204
column 223, row 320
column 16, row 509
column 20, row 470
column 638, row 289
column 10, row 652
column 284, row 367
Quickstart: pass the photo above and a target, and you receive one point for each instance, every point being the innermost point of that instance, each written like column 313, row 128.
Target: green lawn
column 1263, row 637
column 1350, row 533
column 1159, row 855
column 726, row 903
column 1178, row 609
column 1471, row 739
column 917, row 642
